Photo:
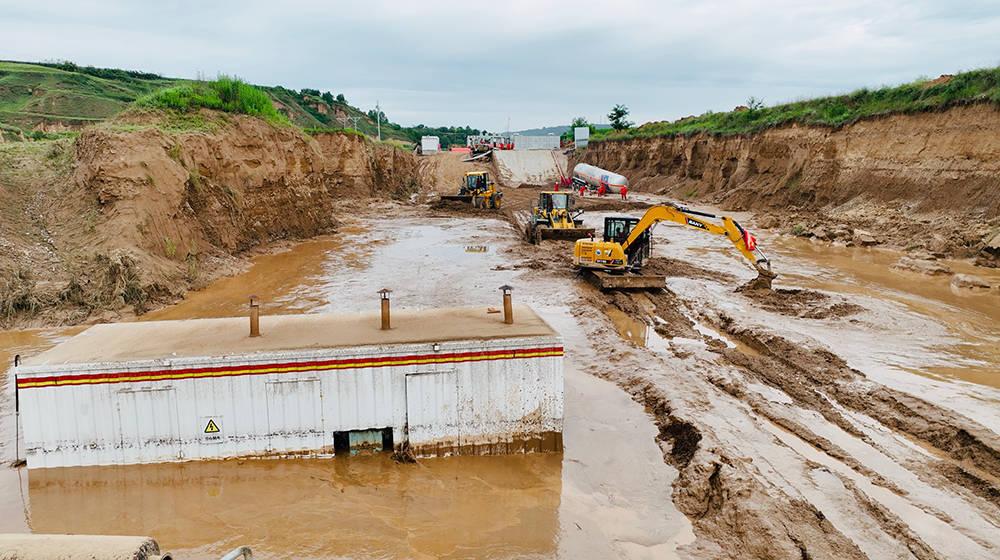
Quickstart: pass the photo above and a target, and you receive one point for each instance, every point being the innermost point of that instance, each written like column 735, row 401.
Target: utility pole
column 378, row 117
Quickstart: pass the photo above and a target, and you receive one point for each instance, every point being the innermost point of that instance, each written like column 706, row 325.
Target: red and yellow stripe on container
column 289, row 367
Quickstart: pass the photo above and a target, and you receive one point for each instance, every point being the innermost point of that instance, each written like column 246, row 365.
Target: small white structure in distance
column 581, row 136
column 535, row 142
column 430, row 145
column 449, row 381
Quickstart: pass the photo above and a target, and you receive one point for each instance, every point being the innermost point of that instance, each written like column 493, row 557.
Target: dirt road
column 774, row 426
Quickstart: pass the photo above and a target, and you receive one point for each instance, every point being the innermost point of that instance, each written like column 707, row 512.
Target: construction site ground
column 851, row 412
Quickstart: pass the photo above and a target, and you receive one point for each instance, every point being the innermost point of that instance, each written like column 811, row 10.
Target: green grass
column 919, row 96
column 36, row 95
column 230, row 95
column 62, row 94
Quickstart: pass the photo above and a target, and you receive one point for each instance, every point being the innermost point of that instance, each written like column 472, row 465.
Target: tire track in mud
column 810, row 376
column 734, row 513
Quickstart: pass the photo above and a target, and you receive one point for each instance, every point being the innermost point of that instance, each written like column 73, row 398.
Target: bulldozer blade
column 567, row 234
column 457, row 197
column 628, row 281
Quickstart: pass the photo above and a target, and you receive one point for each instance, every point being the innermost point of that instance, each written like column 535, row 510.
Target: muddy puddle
column 971, row 317
column 607, row 495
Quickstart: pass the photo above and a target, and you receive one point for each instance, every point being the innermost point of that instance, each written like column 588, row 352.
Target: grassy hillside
column 38, row 100
column 43, row 97
column 922, row 95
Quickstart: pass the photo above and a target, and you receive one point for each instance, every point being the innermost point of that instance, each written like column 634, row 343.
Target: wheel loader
column 479, row 190
column 555, row 218
column 615, row 262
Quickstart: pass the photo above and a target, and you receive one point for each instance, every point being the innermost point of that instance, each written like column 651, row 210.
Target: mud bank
column 922, row 180
column 134, row 212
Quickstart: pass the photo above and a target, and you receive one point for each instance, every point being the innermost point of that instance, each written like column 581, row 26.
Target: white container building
column 450, row 381
column 430, row 145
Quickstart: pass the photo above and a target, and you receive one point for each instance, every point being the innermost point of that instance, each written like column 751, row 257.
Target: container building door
column 295, row 415
column 432, row 409
column 147, row 425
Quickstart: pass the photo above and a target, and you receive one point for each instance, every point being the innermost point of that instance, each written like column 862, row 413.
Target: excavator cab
column 617, row 230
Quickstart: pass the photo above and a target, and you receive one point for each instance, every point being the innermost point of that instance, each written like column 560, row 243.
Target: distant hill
column 35, row 97
column 41, row 99
column 554, row 130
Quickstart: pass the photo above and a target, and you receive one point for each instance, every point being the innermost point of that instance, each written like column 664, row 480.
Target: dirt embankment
column 925, row 180
column 130, row 215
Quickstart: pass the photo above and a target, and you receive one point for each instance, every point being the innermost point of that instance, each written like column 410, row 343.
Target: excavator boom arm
column 740, row 238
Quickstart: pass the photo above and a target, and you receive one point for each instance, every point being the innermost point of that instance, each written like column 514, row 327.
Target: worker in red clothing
column 624, row 192
column 602, row 189
column 555, row 186
column 583, row 189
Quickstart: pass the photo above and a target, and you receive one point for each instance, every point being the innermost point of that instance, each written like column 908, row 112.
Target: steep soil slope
column 130, row 213
column 902, row 176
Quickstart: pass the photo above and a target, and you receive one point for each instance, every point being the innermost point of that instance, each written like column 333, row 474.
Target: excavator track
column 627, row 281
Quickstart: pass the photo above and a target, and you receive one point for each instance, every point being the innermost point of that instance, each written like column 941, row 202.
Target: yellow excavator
column 615, row 262
column 554, row 218
column 478, row 189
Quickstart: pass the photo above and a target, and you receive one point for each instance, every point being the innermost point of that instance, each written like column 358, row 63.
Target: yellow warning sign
column 212, row 427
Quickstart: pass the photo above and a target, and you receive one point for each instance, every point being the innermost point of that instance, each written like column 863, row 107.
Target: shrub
column 231, row 95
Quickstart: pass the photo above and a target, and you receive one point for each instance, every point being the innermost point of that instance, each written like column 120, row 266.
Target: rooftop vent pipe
column 384, row 296
column 508, row 309
column 254, row 317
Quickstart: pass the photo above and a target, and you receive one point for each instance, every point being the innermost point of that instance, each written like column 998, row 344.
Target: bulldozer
column 615, row 262
column 478, row 189
column 555, row 218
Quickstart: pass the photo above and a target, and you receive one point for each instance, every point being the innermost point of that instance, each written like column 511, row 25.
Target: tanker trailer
column 592, row 177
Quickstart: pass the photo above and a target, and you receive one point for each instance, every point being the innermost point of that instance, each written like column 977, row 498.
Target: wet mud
column 778, row 424
column 808, row 304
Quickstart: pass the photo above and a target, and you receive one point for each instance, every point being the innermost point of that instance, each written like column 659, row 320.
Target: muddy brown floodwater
column 607, row 495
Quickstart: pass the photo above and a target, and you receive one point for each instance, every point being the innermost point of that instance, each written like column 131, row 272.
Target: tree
column 341, row 98
column 755, row 104
column 327, row 96
column 578, row 122
column 618, row 116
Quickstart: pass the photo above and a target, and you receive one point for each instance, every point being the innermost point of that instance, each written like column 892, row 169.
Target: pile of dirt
column 808, row 304
column 915, row 180
column 160, row 210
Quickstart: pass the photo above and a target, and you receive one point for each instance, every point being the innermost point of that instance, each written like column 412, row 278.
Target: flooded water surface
column 606, row 495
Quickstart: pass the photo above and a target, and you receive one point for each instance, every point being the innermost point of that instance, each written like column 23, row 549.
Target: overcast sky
column 537, row 63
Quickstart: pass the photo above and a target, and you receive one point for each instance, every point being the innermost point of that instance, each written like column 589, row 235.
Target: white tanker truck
column 592, row 177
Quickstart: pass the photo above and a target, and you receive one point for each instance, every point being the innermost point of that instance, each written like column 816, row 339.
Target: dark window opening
column 387, row 439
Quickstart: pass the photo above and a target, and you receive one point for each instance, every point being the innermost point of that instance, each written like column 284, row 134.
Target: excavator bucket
column 538, row 233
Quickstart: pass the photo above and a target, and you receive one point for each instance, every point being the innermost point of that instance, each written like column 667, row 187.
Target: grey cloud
column 540, row 63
